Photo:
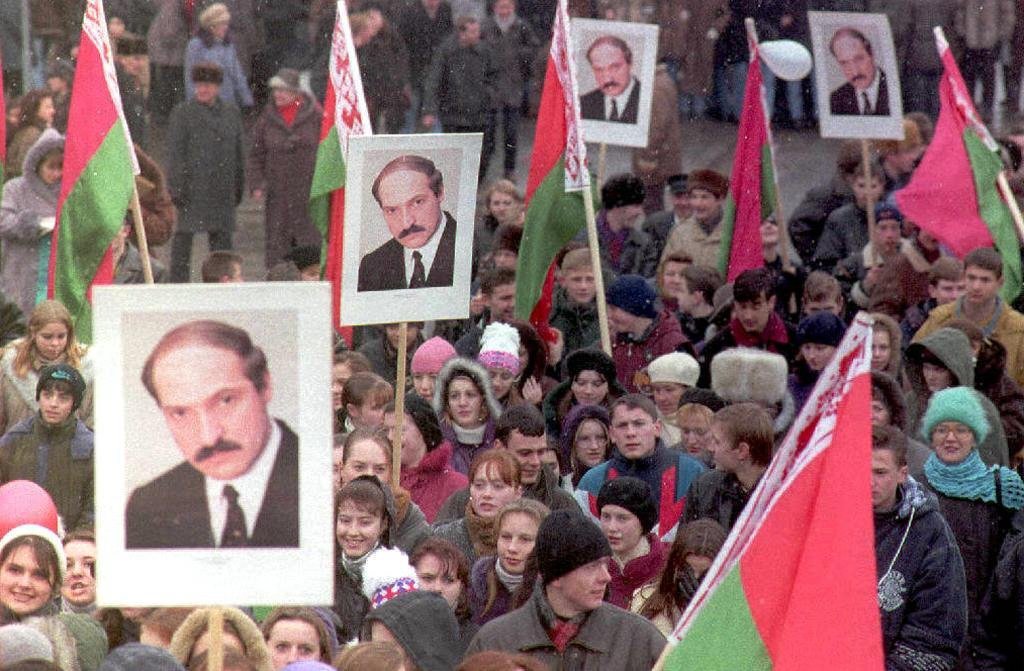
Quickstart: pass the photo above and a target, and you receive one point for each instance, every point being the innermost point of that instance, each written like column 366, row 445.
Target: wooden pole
column 1011, row 202
column 595, row 260
column 602, row 155
column 865, row 159
column 140, row 235
column 396, row 444
column 215, row 654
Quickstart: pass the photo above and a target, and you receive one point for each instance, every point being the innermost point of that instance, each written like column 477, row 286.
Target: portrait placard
column 856, row 76
column 213, row 414
column 615, row 63
column 409, row 209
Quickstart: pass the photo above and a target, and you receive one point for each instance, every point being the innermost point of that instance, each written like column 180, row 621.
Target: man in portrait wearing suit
column 239, row 483
column 866, row 92
column 617, row 96
column 421, row 251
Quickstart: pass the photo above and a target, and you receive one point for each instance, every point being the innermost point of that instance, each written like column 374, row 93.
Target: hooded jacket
column 953, row 349
column 463, row 453
column 433, row 480
column 26, row 201
column 423, row 624
column 921, row 590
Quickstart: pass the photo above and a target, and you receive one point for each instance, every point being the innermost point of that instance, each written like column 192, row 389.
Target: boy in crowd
column 846, row 230
column 575, row 309
column 822, row 293
column 860, row 271
column 696, row 300
column 945, row 285
column 700, row 234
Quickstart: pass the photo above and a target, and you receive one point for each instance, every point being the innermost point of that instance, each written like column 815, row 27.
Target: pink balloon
column 25, row 502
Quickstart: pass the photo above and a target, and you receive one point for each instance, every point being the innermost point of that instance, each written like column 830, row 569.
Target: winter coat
column 609, row 639
column 26, row 201
column 513, row 52
column 204, row 165
column 460, row 85
column 635, row 256
column 18, row 394
column 158, row 213
column 727, row 339
column 846, row 232
column 456, row 532
column 921, row 588
column 423, row 35
column 732, row 47
column 632, row 353
column 546, row 490
column 577, row 322
column 672, row 468
column 716, row 495
column 168, row 35
column 690, row 35
column 133, row 102
column 984, row 24
column 58, row 459
column 801, row 383
column 663, row 155
column 411, row 526
column 807, row 223
column 918, row 53
column 247, row 31
column 281, row 162
column 482, row 577
column 689, row 238
column 990, row 379
column 1008, row 330
column 954, row 350
column 204, row 49
column 350, row 604
column 384, row 67
column 1001, row 639
column 433, row 481
column 636, row 573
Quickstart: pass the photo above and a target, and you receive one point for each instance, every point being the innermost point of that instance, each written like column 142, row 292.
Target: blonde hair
column 46, row 312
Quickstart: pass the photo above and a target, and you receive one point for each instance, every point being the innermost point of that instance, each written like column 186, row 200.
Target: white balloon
column 789, row 60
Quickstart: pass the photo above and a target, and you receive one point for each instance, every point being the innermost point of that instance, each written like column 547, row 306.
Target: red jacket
column 636, row 573
column 433, row 481
column 633, row 353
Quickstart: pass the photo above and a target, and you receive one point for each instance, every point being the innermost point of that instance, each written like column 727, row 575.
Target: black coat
column 1001, row 641
column 383, row 269
column 171, row 511
column 461, row 85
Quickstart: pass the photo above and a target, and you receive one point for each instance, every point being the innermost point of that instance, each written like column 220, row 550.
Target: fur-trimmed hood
column 50, row 140
column 747, row 374
column 196, row 624
column 462, row 367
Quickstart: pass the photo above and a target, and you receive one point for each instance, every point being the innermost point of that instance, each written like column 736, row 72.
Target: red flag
column 794, row 586
column 345, row 115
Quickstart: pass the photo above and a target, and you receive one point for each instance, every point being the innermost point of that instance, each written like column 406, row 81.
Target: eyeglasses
column 959, row 430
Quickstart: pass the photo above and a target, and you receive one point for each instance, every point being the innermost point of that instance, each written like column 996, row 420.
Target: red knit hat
column 431, row 355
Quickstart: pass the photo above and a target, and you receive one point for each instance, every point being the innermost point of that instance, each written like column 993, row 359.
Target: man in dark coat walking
column 204, row 168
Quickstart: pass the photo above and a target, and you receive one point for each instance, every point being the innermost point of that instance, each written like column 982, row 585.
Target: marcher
column 700, row 235
column 589, row 380
column 213, row 44
column 465, row 404
column 627, row 517
column 584, row 441
column 442, row 568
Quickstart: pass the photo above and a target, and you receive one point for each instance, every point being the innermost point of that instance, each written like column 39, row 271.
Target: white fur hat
column 499, row 347
column 747, row 374
column 677, row 367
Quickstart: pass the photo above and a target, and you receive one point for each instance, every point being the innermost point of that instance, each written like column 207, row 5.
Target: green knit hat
column 956, row 404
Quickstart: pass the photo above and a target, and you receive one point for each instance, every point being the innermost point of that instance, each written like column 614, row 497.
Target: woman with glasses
column 977, row 500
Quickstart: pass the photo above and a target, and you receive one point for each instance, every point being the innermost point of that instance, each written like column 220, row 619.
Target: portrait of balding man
column 866, row 91
column 421, row 252
column 617, row 95
column 238, row 485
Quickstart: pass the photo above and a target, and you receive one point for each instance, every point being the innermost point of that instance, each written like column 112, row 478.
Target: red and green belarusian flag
column 558, row 174
column 345, row 115
column 794, row 586
column 752, row 186
column 99, row 177
column 954, row 194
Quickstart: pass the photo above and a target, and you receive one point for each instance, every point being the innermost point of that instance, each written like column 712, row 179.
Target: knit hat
column 956, row 404
column 62, row 372
column 386, row 574
column 747, row 374
column 90, row 639
column 431, row 355
column 591, row 359
column 886, row 211
column 566, row 541
column 635, row 295
column 422, row 415
column 288, row 79
column 21, row 643
column 821, row 328
column 214, row 14
column 44, row 533
column 210, row 73
column 677, row 184
column 677, row 367
column 25, row 502
column 708, row 180
column 622, row 190
column 139, row 657
column 634, row 495
column 499, row 347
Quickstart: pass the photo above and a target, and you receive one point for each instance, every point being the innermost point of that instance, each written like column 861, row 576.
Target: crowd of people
column 557, row 506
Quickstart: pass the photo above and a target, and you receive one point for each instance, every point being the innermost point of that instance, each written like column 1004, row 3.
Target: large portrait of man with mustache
column 617, row 96
column 238, row 485
column 421, row 252
column 866, row 91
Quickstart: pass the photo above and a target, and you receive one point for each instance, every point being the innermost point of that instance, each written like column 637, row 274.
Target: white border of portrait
column 291, row 322
column 457, row 157
column 642, row 39
column 828, row 76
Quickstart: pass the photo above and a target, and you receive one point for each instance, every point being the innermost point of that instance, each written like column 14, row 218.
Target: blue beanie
column 956, row 404
column 633, row 294
column 887, row 211
column 821, row 328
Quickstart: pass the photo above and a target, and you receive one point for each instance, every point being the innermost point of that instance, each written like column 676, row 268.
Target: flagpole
column 396, row 442
column 140, row 235
column 595, row 262
column 602, row 154
column 1011, row 202
column 865, row 159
